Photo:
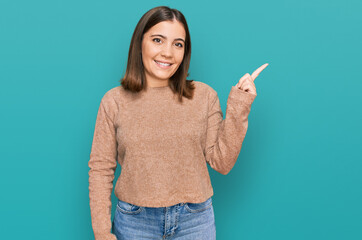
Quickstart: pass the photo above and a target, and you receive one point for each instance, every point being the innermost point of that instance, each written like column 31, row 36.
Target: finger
column 243, row 79
column 249, row 86
column 250, row 89
column 258, row 71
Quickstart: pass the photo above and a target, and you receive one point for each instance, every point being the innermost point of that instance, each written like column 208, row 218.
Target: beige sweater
column 162, row 147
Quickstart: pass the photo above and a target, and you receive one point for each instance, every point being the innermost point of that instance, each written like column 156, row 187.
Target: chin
column 163, row 77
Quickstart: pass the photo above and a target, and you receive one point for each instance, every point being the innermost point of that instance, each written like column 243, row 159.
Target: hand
column 246, row 82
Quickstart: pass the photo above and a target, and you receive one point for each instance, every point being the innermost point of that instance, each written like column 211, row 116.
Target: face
column 163, row 48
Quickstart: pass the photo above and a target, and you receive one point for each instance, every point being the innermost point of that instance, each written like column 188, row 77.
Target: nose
column 167, row 50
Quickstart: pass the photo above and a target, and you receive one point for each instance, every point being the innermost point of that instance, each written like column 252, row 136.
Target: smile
column 163, row 65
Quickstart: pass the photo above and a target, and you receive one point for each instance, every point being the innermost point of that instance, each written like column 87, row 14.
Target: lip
column 163, row 67
column 163, row 62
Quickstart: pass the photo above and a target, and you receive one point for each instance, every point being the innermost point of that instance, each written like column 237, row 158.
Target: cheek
column 180, row 57
column 148, row 52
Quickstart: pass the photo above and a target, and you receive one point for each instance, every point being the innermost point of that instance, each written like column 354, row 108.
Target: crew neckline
column 157, row 88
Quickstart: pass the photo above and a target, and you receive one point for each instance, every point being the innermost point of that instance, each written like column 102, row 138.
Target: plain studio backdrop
column 298, row 175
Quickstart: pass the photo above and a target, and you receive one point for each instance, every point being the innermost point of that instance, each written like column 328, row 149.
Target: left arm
column 225, row 137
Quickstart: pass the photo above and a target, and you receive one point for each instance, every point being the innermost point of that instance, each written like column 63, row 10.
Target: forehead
column 173, row 29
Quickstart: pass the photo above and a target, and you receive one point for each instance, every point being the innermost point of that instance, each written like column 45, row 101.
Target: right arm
column 102, row 164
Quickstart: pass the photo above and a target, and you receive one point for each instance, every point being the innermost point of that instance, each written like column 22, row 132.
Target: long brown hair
column 134, row 79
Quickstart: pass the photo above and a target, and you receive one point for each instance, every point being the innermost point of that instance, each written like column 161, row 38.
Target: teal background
column 298, row 175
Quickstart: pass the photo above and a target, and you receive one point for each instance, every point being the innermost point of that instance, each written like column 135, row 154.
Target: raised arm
column 225, row 136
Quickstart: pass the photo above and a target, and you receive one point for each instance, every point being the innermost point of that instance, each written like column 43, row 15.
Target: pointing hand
column 246, row 82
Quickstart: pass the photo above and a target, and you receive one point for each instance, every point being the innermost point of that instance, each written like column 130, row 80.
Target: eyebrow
column 166, row 37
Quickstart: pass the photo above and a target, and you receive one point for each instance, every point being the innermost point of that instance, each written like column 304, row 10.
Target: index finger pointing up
column 258, row 71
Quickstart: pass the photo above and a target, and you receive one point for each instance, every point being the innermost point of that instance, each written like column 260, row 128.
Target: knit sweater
column 162, row 146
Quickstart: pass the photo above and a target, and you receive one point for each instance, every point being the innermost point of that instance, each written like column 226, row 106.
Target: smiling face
column 163, row 48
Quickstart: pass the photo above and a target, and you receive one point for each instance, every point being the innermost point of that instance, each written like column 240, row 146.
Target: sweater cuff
column 105, row 236
column 240, row 96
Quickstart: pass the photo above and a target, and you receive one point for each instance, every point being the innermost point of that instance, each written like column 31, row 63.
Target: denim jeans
column 183, row 221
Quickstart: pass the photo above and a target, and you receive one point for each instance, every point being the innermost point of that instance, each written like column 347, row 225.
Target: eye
column 156, row 40
column 179, row 44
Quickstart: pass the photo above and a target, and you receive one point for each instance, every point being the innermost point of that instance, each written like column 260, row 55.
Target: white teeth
column 163, row 64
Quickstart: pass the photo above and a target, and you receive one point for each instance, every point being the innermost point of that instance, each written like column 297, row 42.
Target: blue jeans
column 193, row 221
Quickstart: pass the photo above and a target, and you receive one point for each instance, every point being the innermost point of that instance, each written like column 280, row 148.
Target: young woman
column 163, row 130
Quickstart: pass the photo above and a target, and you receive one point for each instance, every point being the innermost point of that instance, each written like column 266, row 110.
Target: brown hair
column 134, row 79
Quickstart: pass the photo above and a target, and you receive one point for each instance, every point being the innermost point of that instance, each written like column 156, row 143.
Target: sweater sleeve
column 225, row 136
column 102, row 164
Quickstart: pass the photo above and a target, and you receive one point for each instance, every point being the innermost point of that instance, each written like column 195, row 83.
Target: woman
column 163, row 129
